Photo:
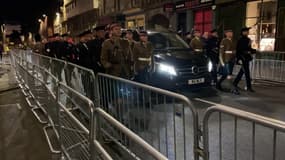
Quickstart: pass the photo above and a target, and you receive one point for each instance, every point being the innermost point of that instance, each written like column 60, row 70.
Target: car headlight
column 210, row 66
column 165, row 68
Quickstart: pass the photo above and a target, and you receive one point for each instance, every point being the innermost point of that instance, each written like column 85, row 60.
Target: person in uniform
column 213, row 53
column 70, row 54
column 244, row 56
column 116, row 54
column 142, row 58
column 130, row 38
column 95, row 47
column 226, row 56
column 196, row 43
column 85, row 58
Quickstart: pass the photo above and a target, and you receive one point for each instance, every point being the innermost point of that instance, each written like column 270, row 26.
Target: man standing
column 116, row 54
column 213, row 52
column 142, row 57
column 227, row 55
column 95, row 46
column 196, row 43
column 244, row 56
column 85, row 58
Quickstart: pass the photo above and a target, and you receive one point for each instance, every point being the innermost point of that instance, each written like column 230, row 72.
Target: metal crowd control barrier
column 74, row 128
column 166, row 120
column 144, row 122
column 103, row 117
column 70, row 114
column 271, row 70
column 269, row 66
column 77, row 77
column 271, row 55
column 236, row 134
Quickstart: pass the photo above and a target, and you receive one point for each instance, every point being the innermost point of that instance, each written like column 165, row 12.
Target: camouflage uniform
column 116, row 57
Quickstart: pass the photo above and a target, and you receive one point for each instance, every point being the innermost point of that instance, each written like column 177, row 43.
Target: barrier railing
column 144, row 122
column 70, row 114
column 271, row 55
column 74, row 129
column 166, row 120
column 265, row 69
column 235, row 134
column 102, row 118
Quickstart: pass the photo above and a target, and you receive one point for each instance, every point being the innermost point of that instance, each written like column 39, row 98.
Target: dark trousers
column 142, row 76
column 231, row 65
column 225, row 71
column 244, row 70
column 214, row 73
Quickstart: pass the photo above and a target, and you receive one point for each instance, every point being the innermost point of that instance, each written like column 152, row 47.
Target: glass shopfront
column 261, row 17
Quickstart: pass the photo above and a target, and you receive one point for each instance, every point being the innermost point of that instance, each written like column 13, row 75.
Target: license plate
column 196, row 81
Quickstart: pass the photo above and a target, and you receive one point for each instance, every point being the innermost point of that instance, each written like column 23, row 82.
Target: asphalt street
column 251, row 141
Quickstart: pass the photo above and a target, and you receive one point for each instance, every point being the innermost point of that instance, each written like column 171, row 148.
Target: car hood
column 180, row 57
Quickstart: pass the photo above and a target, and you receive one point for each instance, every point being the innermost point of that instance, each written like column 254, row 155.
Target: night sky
column 25, row 12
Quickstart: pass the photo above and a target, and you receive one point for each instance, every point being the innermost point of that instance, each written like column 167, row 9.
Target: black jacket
column 85, row 58
column 244, row 49
column 212, row 49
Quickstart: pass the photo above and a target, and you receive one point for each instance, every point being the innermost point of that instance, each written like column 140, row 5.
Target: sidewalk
column 21, row 136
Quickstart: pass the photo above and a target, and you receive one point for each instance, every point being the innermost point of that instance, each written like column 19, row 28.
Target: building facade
column 79, row 15
column 133, row 14
column 263, row 16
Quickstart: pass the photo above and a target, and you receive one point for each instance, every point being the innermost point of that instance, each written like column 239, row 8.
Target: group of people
column 226, row 53
column 128, row 54
column 107, row 49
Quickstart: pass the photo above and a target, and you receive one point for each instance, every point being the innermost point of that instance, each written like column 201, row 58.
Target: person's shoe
column 250, row 90
column 235, row 91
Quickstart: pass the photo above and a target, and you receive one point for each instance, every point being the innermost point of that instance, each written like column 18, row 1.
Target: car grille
column 194, row 70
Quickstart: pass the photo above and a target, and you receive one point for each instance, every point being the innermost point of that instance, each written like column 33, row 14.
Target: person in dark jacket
column 213, row 52
column 85, row 59
column 95, row 46
column 244, row 56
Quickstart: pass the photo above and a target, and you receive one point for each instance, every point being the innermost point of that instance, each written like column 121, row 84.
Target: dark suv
column 175, row 65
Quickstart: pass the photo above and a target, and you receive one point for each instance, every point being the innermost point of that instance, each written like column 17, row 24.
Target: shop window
column 203, row 20
column 261, row 17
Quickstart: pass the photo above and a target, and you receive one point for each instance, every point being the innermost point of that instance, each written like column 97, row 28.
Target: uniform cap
column 245, row 29
column 143, row 33
column 55, row 35
column 228, row 30
column 65, row 35
column 84, row 33
column 129, row 31
column 99, row 28
column 115, row 25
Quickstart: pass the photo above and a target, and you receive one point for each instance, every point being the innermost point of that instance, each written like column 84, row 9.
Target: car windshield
column 167, row 40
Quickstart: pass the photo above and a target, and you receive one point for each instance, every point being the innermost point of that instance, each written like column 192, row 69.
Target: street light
column 57, row 14
column 44, row 15
column 40, row 21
